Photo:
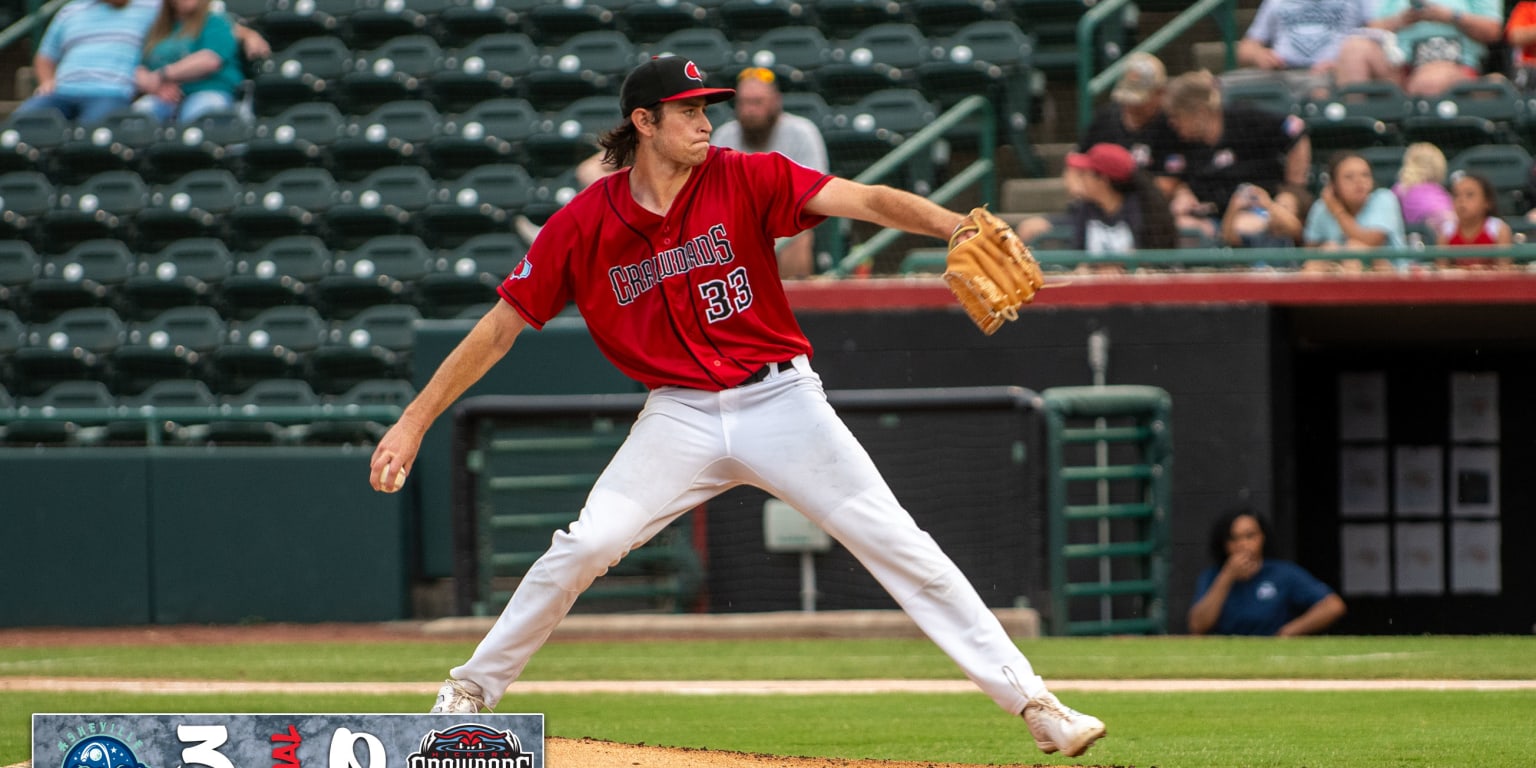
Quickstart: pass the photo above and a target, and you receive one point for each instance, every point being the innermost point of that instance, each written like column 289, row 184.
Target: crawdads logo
column 470, row 746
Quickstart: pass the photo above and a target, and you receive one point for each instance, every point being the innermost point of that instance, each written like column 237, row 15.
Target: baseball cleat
column 457, row 698
column 1057, row 727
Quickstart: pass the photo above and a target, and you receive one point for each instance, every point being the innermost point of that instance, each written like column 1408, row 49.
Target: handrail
column 1089, row 86
column 151, row 415
column 982, row 173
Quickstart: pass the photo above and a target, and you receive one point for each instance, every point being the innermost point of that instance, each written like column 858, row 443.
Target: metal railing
column 1090, row 85
column 981, row 173
column 153, row 416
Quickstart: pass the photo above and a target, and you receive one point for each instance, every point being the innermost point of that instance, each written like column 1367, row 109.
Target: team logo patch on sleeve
column 522, row 269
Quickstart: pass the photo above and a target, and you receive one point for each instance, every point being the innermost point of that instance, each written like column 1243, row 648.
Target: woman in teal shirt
column 191, row 63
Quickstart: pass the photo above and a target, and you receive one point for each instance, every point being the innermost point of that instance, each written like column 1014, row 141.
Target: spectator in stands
column 1420, row 187
column 1520, row 33
column 1258, row 220
column 762, row 125
column 1222, row 147
column 1476, row 222
column 191, row 63
column 1352, row 214
column 1246, row 593
column 1431, row 45
column 1297, row 42
column 85, row 65
column 1134, row 117
column 1116, row 206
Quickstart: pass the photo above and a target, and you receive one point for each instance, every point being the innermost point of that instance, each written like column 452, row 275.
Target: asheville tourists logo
column 470, row 746
column 101, row 752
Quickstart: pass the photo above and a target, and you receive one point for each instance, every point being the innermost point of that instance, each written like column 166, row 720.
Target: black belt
column 762, row 373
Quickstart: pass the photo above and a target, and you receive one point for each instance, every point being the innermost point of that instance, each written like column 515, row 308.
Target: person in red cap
column 1116, row 206
column 670, row 261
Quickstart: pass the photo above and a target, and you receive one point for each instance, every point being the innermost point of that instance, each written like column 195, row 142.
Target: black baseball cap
column 668, row 78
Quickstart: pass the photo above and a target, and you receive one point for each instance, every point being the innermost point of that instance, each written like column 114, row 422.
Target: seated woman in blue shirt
column 191, row 63
column 1246, row 594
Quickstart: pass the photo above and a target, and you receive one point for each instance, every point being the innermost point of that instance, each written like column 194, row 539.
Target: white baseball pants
column 782, row 436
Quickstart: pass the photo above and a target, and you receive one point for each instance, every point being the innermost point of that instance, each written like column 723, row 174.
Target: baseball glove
column 993, row 272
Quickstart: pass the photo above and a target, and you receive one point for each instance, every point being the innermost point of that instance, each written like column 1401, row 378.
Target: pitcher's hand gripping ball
column 992, row 272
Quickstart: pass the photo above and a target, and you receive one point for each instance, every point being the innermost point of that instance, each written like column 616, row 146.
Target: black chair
column 706, row 47
column 184, row 273
column 491, row 132
column 290, row 22
column 589, row 64
column 793, row 53
column 306, row 70
column 862, row 133
column 216, row 140
column 480, row 202
column 1507, row 166
column 13, row 335
column 744, row 20
column 992, row 59
column 877, row 58
column 393, row 134
column 375, row 344
column 376, row 22
column 75, row 345
column 550, row 195
column 469, row 275
column 566, row 138
column 195, row 405
column 177, row 344
column 291, row 203
column 647, row 20
column 193, row 206
column 364, row 394
column 104, row 206
column 845, row 18
column 387, row 202
column 64, row 395
column 383, row 270
column 25, row 198
column 489, row 67
column 19, row 266
column 299, row 137
column 1355, row 116
column 555, row 23
column 90, row 274
column 271, row 394
column 275, row 344
column 1468, row 114
column 28, row 139
column 115, row 143
column 283, row 272
column 395, row 71
column 461, row 23
column 941, row 18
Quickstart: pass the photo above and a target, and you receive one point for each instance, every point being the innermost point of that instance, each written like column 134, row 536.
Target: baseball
column 399, row 480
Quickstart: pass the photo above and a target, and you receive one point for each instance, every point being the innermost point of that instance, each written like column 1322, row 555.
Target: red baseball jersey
column 690, row 299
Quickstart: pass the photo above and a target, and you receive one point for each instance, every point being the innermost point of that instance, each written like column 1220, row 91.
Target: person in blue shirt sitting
column 1246, row 594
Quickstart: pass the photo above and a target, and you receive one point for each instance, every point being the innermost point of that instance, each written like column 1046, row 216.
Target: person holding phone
column 1426, row 46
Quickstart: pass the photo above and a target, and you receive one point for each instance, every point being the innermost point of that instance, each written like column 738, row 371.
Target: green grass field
column 1369, row 729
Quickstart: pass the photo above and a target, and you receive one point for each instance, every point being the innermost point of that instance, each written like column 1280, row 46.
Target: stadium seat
column 1385, row 162
column 589, row 64
column 90, row 274
column 705, row 46
column 1354, row 116
column 186, row 272
column 377, row 21
column 275, row 344
column 175, row 344
column 117, row 142
column 75, row 345
column 267, row 394
column 1270, row 95
column 469, row 275
column 479, row 202
column 1468, row 114
column 555, row 23
column 985, row 58
column 307, row 70
column 393, row 134
column 19, row 267
column 550, row 195
column 27, row 140
column 64, row 395
column 298, row 137
column 192, row 206
column 282, row 272
column 374, row 344
column 941, row 18
column 13, row 334
column 1507, row 166
column 793, row 53
column 104, row 206
column 847, row 18
column 1053, row 25
column 746, row 20
column 460, row 23
column 809, row 105
column 862, row 133
column 365, row 394
column 385, row 203
column 25, row 197
column 383, row 270
column 214, row 140
column 570, row 136
column 879, row 57
column 491, row 132
column 186, row 396
column 489, row 67
column 647, row 20
column 289, row 22
column 395, row 71
column 293, row 202
column 249, row 12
